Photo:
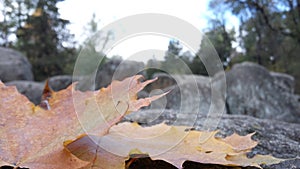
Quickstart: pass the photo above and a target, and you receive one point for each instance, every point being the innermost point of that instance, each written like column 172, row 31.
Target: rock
column 142, row 94
column 253, row 90
column 152, row 116
column 191, row 94
column 63, row 81
column 32, row 90
column 280, row 139
column 284, row 81
column 14, row 66
column 60, row 82
column 164, row 80
column 117, row 70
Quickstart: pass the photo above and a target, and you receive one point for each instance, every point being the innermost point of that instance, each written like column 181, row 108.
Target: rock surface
column 192, row 94
column 32, row 90
column 60, row 82
column 14, row 66
column 251, row 90
column 117, row 70
column 284, row 81
column 280, row 139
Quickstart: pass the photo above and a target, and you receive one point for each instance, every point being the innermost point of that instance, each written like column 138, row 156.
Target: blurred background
column 51, row 33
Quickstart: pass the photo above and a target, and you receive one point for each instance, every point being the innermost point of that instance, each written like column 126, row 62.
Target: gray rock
column 32, row 90
column 60, row 82
column 14, row 66
column 164, row 80
column 117, row 70
column 280, row 139
column 151, row 116
column 253, row 90
column 284, row 82
column 63, row 81
column 191, row 94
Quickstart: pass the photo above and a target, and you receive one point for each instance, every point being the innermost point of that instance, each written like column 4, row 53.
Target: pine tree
column 43, row 38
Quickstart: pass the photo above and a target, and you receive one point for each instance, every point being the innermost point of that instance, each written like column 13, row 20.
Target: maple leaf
column 32, row 136
column 172, row 144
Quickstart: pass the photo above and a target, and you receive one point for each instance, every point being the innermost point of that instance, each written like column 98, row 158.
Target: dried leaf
column 241, row 143
column 33, row 137
column 173, row 144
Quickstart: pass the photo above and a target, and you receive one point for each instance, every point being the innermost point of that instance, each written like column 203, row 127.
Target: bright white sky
column 80, row 12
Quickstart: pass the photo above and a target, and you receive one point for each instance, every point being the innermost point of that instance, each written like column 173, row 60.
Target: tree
column 221, row 38
column 268, row 10
column 92, row 55
column 39, row 33
column 265, row 25
column 173, row 64
column 14, row 14
column 269, row 32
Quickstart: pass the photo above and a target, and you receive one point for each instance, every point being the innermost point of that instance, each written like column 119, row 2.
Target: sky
column 80, row 12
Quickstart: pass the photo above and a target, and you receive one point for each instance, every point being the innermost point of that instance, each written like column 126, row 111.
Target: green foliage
column 269, row 33
column 175, row 62
column 91, row 52
column 14, row 15
column 41, row 35
column 172, row 60
column 42, row 39
column 198, row 67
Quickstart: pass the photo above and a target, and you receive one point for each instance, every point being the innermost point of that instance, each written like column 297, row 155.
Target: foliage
column 269, row 32
column 172, row 63
column 36, row 136
column 221, row 39
column 14, row 15
column 33, row 136
column 179, row 62
column 92, row 54
column 41, row 35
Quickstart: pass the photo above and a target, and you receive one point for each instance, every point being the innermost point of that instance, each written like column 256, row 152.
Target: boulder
column 253, row 90
column 163, row 81
column 14, row 66
column 63, row 81
column 32, row 90
column 284, row 81
column 280, row 139
column 60, row 82
column 117, row 70
column 190, row 94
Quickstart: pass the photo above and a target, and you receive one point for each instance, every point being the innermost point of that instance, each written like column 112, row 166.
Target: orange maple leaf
column 172, row 144
column 33, row 137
